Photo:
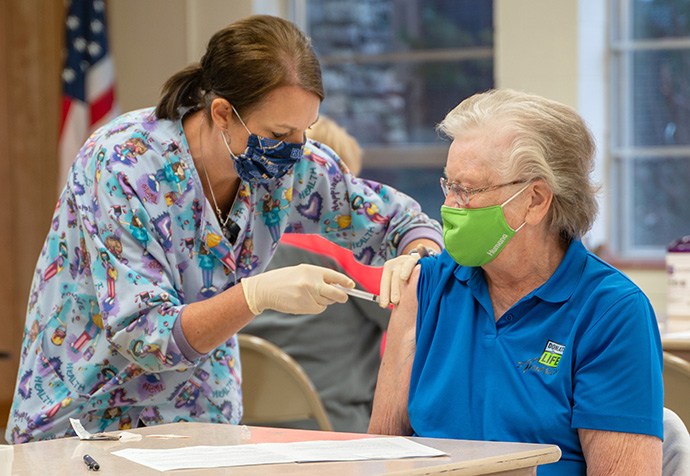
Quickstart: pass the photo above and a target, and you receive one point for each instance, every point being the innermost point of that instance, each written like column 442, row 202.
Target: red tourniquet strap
column 368, row 277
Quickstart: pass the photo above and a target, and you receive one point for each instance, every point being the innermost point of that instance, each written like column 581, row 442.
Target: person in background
column 329, row 133
column 157, row 251
column 339, row 348
column 516, row 332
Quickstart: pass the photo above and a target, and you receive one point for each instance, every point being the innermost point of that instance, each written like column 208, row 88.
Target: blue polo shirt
column 581, row 351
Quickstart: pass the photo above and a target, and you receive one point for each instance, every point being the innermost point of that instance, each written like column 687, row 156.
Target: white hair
column 547, row 140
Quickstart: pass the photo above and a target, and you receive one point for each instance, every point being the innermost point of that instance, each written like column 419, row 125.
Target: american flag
column 88, row 99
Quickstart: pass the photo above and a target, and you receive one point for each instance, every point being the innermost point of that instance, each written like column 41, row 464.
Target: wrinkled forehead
column 481, row 149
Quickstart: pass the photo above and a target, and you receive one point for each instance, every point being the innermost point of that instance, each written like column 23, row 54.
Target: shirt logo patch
column 552, row 354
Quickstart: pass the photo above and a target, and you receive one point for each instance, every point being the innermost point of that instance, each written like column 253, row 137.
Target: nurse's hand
column 397, row 271
column 302, row 289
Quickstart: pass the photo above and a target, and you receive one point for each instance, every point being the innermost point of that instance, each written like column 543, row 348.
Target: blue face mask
column 264, row 159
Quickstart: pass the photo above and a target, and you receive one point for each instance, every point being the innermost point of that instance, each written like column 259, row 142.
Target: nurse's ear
column 539, row 201
column 221, row 113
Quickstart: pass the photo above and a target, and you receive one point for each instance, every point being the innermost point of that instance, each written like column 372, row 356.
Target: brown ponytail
column 183, row 89
column 243, row 63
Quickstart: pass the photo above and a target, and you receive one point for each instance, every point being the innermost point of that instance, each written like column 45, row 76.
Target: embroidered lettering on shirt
column 549, row 360
column 529, row 365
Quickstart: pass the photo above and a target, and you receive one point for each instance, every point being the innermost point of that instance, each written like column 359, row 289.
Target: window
column 392, row 70
column 650, row 125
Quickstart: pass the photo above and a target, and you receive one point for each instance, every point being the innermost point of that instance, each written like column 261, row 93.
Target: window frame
column 621, row 149
column 409, row 155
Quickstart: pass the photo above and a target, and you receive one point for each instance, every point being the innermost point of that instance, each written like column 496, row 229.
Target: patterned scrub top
column 133, row 239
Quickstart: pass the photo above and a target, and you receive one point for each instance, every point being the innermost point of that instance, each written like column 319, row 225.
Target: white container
column 678, row 269
column 6, row 458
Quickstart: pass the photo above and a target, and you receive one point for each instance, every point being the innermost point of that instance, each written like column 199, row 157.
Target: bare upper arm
column 389, row 415
column 615, row 453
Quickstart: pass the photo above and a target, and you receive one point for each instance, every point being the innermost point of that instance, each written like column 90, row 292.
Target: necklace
column 223, row 223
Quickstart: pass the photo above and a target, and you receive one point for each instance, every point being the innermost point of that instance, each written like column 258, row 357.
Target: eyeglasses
column 462, row 194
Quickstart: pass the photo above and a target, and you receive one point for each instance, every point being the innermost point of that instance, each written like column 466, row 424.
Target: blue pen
column 91, row 463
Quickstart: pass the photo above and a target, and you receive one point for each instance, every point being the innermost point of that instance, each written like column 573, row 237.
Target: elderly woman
column 516, row 332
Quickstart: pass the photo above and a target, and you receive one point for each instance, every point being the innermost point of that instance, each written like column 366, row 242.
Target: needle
column 358, row 293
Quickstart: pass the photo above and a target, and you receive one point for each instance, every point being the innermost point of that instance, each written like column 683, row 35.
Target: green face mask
column 475, row 236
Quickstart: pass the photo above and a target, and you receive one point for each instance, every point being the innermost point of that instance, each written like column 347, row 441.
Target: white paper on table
column 273, row 453
column 353, row 450
column 201, row 457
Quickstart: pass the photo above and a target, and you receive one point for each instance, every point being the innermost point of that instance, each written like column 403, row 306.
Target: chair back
column 275, row 388
column 676, row 446
column 677, row 386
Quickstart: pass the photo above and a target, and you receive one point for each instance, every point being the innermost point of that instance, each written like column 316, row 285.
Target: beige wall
column 150, row 40
column 654, row 283
column 535, row 55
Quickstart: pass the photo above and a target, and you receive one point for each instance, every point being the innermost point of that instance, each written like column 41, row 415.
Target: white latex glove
column 396, row 272
column 301, row 289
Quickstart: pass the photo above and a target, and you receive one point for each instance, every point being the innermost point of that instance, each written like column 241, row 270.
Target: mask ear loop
column 263, row 147
column 245, row 126
column 515, row 195
column 238, row 117
column 520, row 227
column 227, row 144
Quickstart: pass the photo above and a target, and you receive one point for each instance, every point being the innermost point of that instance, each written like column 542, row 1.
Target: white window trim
column 592, row 104
column 620, row 151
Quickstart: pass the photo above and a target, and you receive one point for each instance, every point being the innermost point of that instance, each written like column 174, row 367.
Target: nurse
column 162, row 257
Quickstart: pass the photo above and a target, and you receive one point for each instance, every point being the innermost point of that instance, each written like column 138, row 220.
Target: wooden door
column 31, row 39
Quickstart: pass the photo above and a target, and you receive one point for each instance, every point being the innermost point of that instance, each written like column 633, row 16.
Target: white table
column 64, row 456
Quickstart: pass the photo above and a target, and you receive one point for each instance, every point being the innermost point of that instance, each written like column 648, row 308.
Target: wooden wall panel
column 7, row 284
column 31, row 38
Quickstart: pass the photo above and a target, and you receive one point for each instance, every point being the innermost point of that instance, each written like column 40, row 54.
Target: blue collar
column 559, row 287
